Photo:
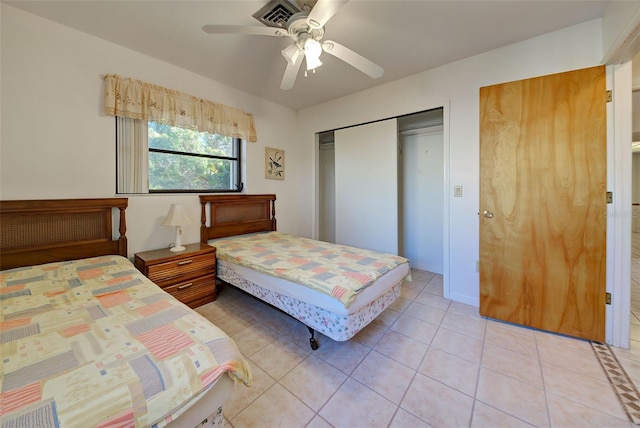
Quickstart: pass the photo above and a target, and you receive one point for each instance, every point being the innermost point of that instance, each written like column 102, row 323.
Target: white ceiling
column 403, row 37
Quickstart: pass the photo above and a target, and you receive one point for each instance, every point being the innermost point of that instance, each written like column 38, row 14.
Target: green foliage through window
column 186, row 160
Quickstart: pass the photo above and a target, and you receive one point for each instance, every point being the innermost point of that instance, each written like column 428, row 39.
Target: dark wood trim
column 231, row 215
column 48, row 230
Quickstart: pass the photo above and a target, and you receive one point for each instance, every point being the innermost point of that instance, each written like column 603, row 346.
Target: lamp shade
column 177, row 216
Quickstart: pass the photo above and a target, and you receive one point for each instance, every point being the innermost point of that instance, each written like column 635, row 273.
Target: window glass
column 186, row 140
column 175, row 159
column 179, row 172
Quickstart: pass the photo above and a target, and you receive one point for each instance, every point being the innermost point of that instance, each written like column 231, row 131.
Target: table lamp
column 177, row 217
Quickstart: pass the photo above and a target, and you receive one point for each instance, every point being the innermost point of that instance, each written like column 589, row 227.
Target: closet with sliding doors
column 381, row 187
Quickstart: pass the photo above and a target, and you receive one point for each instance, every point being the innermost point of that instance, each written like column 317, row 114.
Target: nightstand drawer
column 162, row 272
column 188, row 275
column 189, row 291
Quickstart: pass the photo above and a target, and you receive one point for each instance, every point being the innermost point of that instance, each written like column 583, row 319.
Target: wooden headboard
column 231, row 215
column 34, row 232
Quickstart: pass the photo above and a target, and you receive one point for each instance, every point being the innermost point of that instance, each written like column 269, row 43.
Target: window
column 182, row 160
column 168, row 159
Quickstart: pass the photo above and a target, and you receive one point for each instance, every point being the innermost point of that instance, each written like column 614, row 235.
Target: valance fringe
column 136, row 99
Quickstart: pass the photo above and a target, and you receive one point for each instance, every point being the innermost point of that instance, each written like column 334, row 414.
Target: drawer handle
column 184, row 262
column 183, row 286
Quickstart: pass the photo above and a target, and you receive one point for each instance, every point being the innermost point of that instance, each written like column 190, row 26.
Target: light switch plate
column 457, row 191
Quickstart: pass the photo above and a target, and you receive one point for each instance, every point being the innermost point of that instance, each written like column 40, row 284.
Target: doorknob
column 487, row 214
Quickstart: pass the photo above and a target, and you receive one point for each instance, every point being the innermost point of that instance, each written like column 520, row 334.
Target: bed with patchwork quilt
column 333, row 289
column 90, row 341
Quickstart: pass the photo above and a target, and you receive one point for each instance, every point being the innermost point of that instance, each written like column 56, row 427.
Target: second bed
column 328, row 308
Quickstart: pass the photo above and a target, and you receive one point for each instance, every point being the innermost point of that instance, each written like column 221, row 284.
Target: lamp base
column 177, row 246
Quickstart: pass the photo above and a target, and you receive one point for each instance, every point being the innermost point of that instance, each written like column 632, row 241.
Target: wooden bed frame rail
column 231, row 215
column 34, row 232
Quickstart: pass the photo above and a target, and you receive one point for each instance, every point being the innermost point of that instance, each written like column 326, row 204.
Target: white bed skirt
column 207, row 409
column 325, row 315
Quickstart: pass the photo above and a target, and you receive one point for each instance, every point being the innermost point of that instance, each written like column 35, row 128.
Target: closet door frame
column 445, row 105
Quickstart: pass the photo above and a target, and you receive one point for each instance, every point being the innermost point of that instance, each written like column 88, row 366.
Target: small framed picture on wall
column 273, row 163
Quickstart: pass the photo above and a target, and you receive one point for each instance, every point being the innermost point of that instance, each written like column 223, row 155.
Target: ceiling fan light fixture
column 303, row 21
column 312, row 51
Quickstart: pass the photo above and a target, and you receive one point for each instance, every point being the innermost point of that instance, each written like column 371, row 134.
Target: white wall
column 327, row 193
column 619, row 36
column 422, row 184
column 456, row 85
column 56, row 142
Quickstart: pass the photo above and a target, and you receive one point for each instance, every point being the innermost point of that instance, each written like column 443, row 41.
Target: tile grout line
column 622, row 384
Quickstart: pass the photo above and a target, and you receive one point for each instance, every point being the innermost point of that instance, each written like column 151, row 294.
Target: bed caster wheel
column 313, row 343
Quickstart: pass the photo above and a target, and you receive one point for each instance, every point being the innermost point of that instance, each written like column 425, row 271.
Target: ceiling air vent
column 276, row 13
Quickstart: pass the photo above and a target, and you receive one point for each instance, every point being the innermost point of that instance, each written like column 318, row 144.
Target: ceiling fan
column 305, row 25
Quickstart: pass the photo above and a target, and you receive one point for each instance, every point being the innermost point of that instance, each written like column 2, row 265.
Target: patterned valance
column 140, row 100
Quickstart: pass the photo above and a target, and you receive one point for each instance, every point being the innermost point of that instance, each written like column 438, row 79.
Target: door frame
column 619, row 130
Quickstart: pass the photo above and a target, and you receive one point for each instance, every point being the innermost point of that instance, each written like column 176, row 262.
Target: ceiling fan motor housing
column 300, row 30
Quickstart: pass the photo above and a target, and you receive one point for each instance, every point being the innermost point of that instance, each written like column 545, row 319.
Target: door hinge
column 609, row 197
column 608, row 299
column 609, row 96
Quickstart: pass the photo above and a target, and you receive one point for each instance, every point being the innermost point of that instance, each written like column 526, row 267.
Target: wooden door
column 366, row 165
column 543, row 202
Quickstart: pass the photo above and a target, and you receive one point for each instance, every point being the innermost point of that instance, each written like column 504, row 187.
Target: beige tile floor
column 426, row 361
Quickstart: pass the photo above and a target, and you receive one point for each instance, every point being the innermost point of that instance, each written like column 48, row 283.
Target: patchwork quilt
column 337, row 270
column 94, row 343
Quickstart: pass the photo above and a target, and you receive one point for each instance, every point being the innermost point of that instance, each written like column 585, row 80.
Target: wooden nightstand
column 189, row 275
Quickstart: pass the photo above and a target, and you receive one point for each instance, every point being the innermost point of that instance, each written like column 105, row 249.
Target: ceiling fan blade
column 290, row 74
column 323, row 11
column 354, row 59
column 244, row 29
column 291, row 53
